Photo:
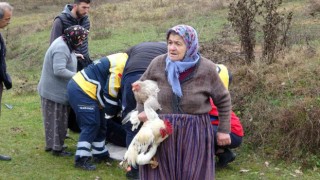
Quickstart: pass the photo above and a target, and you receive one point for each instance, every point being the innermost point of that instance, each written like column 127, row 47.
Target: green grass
column 121, row 39
column 22, row 133
column 23, row 139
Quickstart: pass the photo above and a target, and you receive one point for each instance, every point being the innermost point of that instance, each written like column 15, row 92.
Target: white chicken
column 146, row 93
column 144, row 145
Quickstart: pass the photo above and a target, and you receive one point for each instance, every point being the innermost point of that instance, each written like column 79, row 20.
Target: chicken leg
column 154, row 163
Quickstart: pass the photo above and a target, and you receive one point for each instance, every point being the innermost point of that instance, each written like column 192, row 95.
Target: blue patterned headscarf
column 174, row 68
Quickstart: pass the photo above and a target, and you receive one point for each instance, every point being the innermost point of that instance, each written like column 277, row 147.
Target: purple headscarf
column 74, row 35
column 174, row 68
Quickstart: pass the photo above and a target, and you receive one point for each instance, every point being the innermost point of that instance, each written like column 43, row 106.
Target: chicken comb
column 168, row 126
column 167, row 130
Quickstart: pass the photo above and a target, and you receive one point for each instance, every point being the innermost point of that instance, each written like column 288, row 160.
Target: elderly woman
column 187, row 81
column 60, row 64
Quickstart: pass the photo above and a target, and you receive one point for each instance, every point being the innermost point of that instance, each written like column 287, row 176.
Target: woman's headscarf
column 174, row 68
column 74, row 35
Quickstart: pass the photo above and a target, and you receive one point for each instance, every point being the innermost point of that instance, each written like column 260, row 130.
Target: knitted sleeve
column 221, row 98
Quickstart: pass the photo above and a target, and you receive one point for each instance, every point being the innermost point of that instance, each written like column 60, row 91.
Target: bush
column 275, row 30
column 314, row 7
column 242, row 17
column 279, row 106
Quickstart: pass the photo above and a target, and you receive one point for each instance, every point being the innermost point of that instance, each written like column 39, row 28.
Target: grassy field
column 23, row 138
column 278, row 103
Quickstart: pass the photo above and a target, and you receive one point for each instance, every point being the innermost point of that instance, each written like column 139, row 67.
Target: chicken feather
column 153, row 131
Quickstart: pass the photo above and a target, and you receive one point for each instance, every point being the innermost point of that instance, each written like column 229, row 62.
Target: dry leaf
column 293, row 175
column 298, row 171
column 244, row 170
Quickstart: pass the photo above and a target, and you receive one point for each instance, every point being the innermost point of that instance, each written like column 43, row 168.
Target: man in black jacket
column 74, row 14
column 5, row 17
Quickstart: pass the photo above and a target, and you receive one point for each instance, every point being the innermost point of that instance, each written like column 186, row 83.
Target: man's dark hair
column 80, row 1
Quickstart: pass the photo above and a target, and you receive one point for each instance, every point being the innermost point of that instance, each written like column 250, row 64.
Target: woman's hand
column 223, row 139
column 142, row 116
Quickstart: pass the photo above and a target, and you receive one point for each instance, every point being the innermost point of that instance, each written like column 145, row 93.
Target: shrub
column 275, row 29
column 314, row 7
column 242, row 17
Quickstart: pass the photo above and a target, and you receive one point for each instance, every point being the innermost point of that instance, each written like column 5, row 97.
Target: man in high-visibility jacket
column 93, row 93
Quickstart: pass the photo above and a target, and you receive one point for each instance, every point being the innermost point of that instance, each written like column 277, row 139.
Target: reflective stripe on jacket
column 102, row 80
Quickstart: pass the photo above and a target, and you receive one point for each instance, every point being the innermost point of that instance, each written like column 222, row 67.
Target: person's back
column 140, row 56
column 105, row 76
column 92, row 94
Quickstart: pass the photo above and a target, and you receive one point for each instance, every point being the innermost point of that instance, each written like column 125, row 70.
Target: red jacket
column 236, row 126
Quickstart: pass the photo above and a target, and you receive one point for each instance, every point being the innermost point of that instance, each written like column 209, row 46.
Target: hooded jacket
column 65, row 20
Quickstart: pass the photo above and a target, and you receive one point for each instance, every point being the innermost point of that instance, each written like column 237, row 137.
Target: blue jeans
column 91, row 121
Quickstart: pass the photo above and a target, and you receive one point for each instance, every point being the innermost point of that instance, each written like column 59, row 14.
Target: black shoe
column 133, row 174
column 47, row 149
column 225, row 158
column 104, row 159
column 85, row 163
column 61, row 153
column 5, row 158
